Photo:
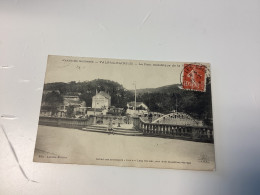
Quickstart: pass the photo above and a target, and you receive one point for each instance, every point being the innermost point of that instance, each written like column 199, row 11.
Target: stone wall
column 66, row 122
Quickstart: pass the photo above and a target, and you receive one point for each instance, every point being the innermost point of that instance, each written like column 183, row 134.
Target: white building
column 101, row 100
column 141, row 108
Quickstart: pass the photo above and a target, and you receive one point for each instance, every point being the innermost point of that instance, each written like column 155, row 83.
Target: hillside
column 162, row 99
column 119, row 95
column 163, row 89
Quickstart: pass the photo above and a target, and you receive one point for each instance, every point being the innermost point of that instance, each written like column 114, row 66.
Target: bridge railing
column 194, row 133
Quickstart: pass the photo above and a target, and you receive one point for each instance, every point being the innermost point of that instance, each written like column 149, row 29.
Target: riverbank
column 64, row 145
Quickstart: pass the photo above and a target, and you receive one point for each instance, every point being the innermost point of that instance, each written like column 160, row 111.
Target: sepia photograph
column 114, row 112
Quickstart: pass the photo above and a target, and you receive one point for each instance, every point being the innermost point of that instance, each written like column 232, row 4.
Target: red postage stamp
column 194, row 77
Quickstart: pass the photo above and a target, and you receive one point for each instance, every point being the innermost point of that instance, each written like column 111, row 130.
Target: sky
column 66, row 69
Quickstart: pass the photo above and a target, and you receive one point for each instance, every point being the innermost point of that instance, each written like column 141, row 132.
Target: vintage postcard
column 114, row 112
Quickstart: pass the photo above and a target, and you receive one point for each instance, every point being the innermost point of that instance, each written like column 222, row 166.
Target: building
column 141, row 108
column 79, row 107
column 115, row 111
column 101, row 100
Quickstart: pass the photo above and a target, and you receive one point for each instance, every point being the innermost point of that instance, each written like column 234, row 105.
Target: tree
column 70, row 111
column 52, row 100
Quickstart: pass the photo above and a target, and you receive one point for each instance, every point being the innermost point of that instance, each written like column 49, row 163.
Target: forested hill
column 162, row 99
column 167, row 98
column 119, row 95
column 163, row 89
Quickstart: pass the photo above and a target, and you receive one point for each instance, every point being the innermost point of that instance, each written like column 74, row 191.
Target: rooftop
column 106, row 95
column 133, row 103
column 73, row 102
